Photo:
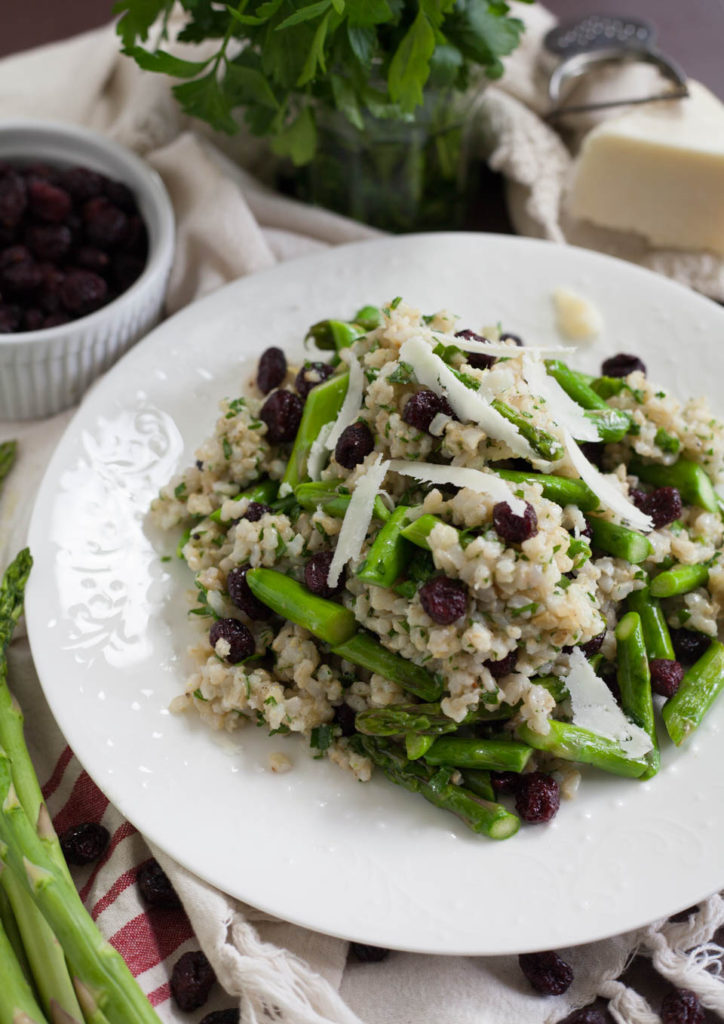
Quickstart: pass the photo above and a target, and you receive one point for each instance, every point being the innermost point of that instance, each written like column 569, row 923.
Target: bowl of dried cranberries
column 86, row 243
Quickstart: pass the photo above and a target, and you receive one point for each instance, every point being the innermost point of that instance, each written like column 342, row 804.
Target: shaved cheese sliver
column 561, row 406
column 594, row 707
column 501, row 348
column 351, row 405
column 438, row 423
column 357, row 519
column 318, row 452
column 467, row 404
column 461, row 476
column 606, row 492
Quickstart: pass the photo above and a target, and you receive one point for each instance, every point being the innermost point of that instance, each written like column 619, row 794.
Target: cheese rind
column 657, row 171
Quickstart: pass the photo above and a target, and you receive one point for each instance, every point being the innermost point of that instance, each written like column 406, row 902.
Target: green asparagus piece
column 327, row 620
column 12, row 590
column 478, row 782
column 575, row 384
column 420, row 529
column 8, row 922
column 619, row 541
column 389, row 553
column 263, row 492
column 656, row 632
column 8, row 451
column 321, row 407
column 481, row 816
column 634, row 682
column 680, row 579
column 368, row 318
column 545, row 445
column 17, row 1001
column 417, row 746
column 689, row 478
column 559, row 489
column 607, row 387
column 365, row 650
column 404, row 720
column 555, row 686
column 92, row 960
column 572, row 743
column 335, row 334
column 324, row 494
column 699, row 688
column 495, row 755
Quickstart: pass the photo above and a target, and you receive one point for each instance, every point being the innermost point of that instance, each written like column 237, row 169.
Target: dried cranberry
column 125, row 269
column 47, row 201
column 504, row 783
column 18, row 270
column 594, row 645
column 592, row 1014
column 538, row 797
column 272, row 370
column 664, row 505
column 240, row 593
column 507, row 336
column 48, row 294
column 9, row 319
column 56, row 319
column 421, row 409
column 90, row 258
column 316, row 575
column 221, row 1017
column 136, row 240
column 444, row 599
column 310, row 375
column 512, row 528
column 105, row 224
column 594, row 452
column 120, row 195
column 192, row 978
column 354, row 445
column 546, row 972
column 368, row 954
column 49, row 241
column 682, row 1006
column 234, row 633
column 504, row 666
column 666, row 676
column 255, row 510
column 41, row 170
column 85, row 843
column 33, row 319
column 689, row 645
column 621, row 365
column 13, row 199
column 82, row 291
column 282, row 413
column 478, row 360
column 345, row 717
column 155, row 886
column 82, row 183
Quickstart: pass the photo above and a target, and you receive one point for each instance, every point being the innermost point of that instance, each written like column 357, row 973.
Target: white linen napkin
column 229, row 225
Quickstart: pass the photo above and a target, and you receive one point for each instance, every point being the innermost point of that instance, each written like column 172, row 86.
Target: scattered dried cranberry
column 155, row 886
column 18, row 270
column 85, row 843
column 13, row 198
column 48, row 294
column 49, row 241
column 221, row 1017
column 666, row 676
column 81, row 183
column 444, row 599
column 316, row 575
column 621, row 365
column 478, row 360
column 272, row 370
column 345, row 716
column 546, row 972
column 538, row 797
column 90, row 258
column 512, row 528
column 368, row 954
column 682, row 1006
column 592, row 1014
column 354, row 445
column 82, row 291
column 421, row 409
column 689, row 645
column 105, row 224
column 507, row 336
column 664, row 505
column 504, row 783
column 48, row 202
column 236, row 635
column 504, row 666
column 310, row 375
column 282, row 413
column 255, row 510
column 594, row 452
column 240, row 593
column 594, row 645
column 192, row 978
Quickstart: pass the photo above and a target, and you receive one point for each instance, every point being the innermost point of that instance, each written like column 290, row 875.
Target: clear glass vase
column 398, row 175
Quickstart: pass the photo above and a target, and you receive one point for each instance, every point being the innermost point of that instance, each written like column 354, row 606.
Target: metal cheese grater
column 577, row 47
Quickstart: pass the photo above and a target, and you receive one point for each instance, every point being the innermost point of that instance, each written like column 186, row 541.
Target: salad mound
column 452, row 557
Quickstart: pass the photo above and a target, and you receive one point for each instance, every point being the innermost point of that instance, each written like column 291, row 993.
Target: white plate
column 109, row 632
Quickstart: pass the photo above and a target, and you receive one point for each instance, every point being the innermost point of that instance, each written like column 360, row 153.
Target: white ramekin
column 42, row 372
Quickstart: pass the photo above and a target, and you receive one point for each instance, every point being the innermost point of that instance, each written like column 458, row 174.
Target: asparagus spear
column 545, row 445
column 324, row 494
column 8, row 451
column 368, row 318
column 404, row 720
column 688, row 477
column 321, row 407
column 327, row 620
column 619, row 541
column 656, row 632
column 336, row 334
column 363, row 649
column 482, row 816
column 559, row 489
column 478, row 782
column 17, row 1001
column 263, row 492
column 576, row 385
column 680, row 579
column 495, row 755
column 417, row 746
column 572, row 743
column 420, row 529
column 8, row 922
column 634, row 682
column 390, row 552
column 699, row 688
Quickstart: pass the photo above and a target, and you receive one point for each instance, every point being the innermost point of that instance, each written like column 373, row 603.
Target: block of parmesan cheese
column 657, row 170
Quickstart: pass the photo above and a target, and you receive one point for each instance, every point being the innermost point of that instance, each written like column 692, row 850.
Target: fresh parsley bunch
column 277, row 61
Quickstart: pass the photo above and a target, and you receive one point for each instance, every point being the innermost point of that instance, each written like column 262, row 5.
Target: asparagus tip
column 60, row 1016
column 87, row 1000
column 37, row 876
column 11, row 802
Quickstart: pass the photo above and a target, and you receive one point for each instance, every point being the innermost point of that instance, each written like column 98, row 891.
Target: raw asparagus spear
column 17, row 1001
column 699, row 688
column 327, row 620
column 634, row 682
